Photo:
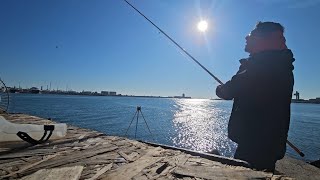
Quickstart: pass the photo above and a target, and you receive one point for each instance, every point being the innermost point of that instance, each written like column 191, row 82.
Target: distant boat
column 13, row 90
column 34, row 90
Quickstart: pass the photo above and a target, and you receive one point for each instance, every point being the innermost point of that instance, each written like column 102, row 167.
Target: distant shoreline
column 310, row 101
column 99, row 94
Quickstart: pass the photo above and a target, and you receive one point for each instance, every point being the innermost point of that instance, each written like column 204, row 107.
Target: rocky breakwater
column 87, row 154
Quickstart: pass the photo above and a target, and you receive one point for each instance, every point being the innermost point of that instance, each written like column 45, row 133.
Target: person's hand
column 218, row 90
column 223, row 92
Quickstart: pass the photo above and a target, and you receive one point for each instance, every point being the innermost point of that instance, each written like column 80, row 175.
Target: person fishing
column 264, row 84
column 261, row 91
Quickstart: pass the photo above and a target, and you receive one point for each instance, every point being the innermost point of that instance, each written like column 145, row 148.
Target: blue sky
column 105, row 45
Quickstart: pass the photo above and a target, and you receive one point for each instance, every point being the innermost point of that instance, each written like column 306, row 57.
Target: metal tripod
column 137, row 120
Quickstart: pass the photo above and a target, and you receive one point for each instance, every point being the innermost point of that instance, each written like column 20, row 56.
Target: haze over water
column 197, row 124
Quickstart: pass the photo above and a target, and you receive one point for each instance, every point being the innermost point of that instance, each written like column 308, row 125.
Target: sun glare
column 202, row 26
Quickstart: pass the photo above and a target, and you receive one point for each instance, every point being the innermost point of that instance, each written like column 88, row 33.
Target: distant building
column 71, row 92
column 112, row 93
column 316, row 100
column 86, row 93
column 11, row 89
column 34, row 90
column 183, row 96
column 108, row 93
column 105, row 93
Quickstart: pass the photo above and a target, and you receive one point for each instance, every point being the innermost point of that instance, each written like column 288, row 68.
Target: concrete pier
column 87, row 154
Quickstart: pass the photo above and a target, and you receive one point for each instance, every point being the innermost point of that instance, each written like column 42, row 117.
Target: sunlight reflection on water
column 202, row 125
column 195, row 124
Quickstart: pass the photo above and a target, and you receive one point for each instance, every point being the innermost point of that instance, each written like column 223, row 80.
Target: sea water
column 196, row 124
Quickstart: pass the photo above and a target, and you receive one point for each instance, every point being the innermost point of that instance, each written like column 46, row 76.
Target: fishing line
column 214, row 77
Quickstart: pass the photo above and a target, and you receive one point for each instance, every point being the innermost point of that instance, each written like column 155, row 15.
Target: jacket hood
column 278, row 60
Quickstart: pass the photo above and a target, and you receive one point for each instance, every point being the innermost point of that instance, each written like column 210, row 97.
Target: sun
column 203, row 26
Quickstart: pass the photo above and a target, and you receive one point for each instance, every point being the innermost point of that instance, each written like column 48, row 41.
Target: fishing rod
column 295, row 148
column 194, row 59
column 174, row 42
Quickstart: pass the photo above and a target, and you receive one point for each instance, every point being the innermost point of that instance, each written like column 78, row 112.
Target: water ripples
column 195, row 124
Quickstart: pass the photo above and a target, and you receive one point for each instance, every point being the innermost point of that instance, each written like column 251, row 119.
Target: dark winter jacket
column 262, row 92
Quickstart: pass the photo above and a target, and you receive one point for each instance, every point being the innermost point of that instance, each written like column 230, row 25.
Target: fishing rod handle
column 295, row 148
